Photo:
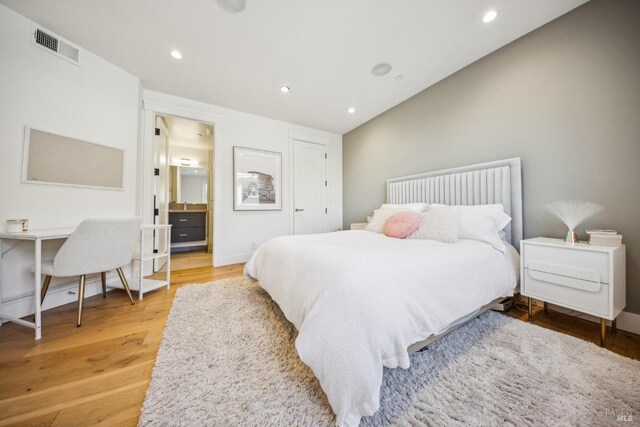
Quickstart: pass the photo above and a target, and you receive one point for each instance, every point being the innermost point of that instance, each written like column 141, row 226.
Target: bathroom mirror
column 189, row 184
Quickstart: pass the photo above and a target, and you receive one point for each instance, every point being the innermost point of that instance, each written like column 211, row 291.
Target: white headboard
column 481, row 184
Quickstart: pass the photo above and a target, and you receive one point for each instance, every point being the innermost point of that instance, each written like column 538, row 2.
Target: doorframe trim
column 152, row 107
column 314, row 139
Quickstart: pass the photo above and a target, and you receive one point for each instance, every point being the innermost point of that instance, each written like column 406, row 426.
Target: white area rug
column 228, row 359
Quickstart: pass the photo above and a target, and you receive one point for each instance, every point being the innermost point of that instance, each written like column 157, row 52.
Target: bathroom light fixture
column 489, row 16
column 351, row 110
column 185, row 162
column 198, row 134
column 285, row 89
column 176, row 54
column 381, row 69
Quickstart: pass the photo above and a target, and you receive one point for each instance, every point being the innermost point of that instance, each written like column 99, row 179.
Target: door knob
column 299, row 210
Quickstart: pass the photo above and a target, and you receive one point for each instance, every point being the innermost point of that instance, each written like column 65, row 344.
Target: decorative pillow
column 483, row 223
column 402, row 224
column 383, row 213
column 439, row 223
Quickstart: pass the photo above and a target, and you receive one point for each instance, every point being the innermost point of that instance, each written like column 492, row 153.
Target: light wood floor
column 188, row 260
column 98, row 374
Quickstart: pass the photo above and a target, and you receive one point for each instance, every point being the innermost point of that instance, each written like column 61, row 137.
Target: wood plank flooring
column 188, row 260
column 95, row 374
column 99, row 373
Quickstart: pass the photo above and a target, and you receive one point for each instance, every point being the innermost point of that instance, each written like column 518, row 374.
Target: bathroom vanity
column 189, row 228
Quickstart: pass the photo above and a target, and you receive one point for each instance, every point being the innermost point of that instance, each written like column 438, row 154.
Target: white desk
column 38, row 236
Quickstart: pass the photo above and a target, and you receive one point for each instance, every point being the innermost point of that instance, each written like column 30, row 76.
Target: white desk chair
column 96, row 246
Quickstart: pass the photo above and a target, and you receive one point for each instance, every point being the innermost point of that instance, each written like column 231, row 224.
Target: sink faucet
column 184, row 206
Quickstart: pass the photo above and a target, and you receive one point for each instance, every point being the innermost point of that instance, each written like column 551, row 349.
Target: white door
column 309, row 187
column 161, row 190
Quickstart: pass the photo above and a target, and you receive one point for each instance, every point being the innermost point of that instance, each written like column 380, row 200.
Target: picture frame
column 257, row 180
column 55, row 159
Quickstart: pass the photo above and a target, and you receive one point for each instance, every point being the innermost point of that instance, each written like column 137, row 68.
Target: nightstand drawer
column 583, row 295
column 579, row 264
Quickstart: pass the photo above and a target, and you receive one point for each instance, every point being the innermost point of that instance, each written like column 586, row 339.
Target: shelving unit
column 137, row 282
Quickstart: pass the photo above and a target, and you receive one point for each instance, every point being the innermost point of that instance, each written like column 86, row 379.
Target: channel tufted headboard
column 485, row 183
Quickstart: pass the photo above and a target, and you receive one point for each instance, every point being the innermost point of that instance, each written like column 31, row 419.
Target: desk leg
column 1, row 271
column 168, row 258
column 37, row 286
column 141, row 270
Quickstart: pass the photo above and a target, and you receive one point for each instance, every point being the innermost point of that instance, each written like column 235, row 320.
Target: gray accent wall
column 565, row 98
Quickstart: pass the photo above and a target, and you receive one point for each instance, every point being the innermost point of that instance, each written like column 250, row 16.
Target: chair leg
column 104, row 284
column 125, row 284
column 45, row 288
column 80, row 298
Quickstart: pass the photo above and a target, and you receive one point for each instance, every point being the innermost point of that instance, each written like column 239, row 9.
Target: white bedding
column 360, row 299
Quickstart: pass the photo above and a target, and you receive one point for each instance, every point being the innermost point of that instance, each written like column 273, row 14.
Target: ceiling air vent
column 52, row 43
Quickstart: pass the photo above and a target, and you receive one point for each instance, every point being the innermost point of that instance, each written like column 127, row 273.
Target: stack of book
column 604, row 237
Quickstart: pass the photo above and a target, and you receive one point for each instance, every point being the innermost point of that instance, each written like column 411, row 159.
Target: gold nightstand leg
column 546, row 308
column 614, row 326
column 530, row 308
column 603, row 331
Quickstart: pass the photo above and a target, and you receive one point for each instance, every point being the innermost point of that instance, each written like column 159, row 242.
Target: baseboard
column 24, row 305
column 219, row 261
column 627, row 321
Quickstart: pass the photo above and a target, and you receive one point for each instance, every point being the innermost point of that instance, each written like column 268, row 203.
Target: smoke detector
column 233, row 6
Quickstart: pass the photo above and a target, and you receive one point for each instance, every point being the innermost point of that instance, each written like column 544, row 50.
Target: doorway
column 183, row 190
column 310, row 187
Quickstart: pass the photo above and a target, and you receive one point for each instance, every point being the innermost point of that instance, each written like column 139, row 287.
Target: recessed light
column 381, row 69
column 490, row 16
column 351, row 110
column 176, row 54
column 285, row 89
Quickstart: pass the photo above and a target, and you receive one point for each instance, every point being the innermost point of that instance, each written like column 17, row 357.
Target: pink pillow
column 402, row 224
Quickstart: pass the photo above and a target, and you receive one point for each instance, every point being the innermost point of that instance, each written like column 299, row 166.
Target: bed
column 362, row 301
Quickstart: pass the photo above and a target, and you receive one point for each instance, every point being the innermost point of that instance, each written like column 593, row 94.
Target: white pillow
column 439, row 223
column 383, row 213
column 483, row 223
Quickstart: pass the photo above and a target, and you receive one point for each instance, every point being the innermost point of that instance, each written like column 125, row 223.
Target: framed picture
column 257, row 180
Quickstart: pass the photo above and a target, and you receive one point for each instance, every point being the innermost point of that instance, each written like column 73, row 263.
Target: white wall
column 236, row 232
column 96, row 102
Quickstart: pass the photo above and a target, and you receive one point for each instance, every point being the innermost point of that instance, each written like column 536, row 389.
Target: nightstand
column 358, row 225
column 589, row 279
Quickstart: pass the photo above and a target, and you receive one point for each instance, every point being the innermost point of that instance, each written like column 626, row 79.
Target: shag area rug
column 228, row 359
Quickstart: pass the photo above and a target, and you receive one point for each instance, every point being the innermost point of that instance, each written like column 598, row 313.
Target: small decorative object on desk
column 572, row 213
column 604, row 238
column 17, row 225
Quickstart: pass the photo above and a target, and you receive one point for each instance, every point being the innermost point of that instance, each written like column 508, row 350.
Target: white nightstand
column 358, row 225
column 586, row 278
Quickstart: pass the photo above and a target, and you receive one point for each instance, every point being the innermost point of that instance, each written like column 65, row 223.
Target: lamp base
column 572, row 237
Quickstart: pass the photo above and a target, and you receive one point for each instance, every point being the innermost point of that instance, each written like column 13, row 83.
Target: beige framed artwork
column 59, row 160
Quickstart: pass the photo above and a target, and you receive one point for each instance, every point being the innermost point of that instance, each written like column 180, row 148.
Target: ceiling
column 189, row 133
column 323, row 50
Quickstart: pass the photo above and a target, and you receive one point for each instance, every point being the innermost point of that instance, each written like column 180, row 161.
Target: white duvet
column 360, row 299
